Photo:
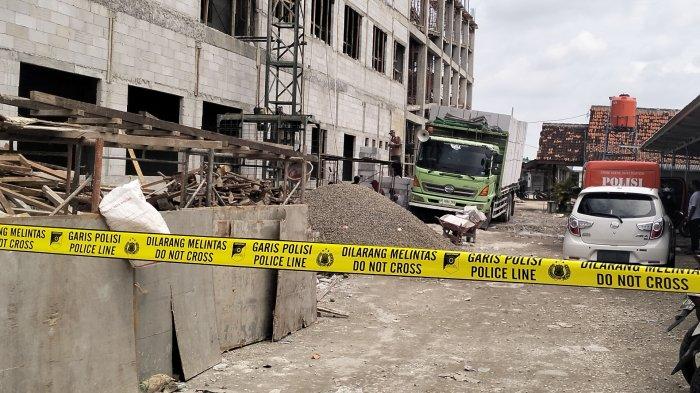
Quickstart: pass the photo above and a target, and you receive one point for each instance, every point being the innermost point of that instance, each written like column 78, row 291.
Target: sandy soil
column 425, row 335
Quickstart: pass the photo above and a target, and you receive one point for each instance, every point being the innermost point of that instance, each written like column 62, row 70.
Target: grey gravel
column 352, row 214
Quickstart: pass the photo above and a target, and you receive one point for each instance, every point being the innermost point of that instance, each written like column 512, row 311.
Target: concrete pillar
column 424, row 7
column 440, row 22
column 454, row 100
column 462, row 93
column 446, row 76
column 437, row 80
column 470, row 87
column 422, row 75
column 449, row 26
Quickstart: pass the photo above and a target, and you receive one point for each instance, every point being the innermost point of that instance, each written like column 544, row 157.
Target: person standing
column 694, row 217
column 395, row 154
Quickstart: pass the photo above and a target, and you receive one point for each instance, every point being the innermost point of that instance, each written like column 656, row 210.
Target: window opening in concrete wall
column 217, row 14
column 352, row 33
column 322, row 19
column 244, row 22
column 374, row 143
column 399, row 52
column 163, row 106
column 412, row 85
column 61, row 83
column 210, row 111
column 379, row 50
column 318, row 146
column 348, row 152
column 381, row 144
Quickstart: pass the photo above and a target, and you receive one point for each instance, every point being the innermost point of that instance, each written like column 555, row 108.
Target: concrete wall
column 75, row 324
column 153, row 44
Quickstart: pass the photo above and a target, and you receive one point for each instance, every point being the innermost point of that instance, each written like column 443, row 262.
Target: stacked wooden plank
column 35, row 189
column 229, row 189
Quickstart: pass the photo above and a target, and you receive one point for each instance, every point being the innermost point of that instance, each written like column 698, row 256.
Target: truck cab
column 461, row 163
column 453, row 173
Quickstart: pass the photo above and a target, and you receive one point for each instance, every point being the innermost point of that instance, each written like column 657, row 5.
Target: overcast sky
column 553, row 59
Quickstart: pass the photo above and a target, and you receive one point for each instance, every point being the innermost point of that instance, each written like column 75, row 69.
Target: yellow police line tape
column 340, row 258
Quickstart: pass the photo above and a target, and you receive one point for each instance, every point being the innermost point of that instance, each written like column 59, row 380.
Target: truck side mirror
column 497, row 159
column 496, row 170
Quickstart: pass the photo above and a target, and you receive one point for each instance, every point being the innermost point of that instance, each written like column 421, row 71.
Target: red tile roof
column 649, row 121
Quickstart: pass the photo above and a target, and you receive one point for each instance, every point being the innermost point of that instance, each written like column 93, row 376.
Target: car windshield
column 617, row 204
column 454, row 158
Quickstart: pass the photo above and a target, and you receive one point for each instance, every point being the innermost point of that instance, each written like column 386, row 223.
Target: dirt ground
column 427, row 335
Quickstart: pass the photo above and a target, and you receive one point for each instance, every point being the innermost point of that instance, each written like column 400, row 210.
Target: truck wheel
column 509, row 209
column 485, row 225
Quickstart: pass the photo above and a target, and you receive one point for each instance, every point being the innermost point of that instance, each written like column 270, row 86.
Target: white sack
column 126, row 209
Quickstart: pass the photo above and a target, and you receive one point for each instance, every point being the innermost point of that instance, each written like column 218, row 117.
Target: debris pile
column 351, row 214
column 39, row 189
column 229, row 189
column 36, row 189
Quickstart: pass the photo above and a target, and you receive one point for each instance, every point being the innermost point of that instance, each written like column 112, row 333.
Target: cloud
column 550, row 61
column 583, row 44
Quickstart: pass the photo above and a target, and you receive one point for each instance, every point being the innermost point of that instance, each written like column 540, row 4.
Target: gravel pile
column 351, row 214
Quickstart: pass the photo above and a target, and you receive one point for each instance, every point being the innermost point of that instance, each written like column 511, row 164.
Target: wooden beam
column 6, row 205
column 43, row 168
column 70, row 197
column 52, row 196
column 97, row 176
column 95, row 120
column 22, row 102
column 15, row 169
column 57, row 112
column 26, row 199
column 157, row 123
column 29, row 180
column 137, row 166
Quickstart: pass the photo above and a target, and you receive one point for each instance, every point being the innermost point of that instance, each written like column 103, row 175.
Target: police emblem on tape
column 56, row 239
column 324, row 259
column 131, row 247
column 449, row 262
column 559, row 272
column 237, row 251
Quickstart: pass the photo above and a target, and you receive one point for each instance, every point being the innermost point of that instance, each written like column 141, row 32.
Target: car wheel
column 690, row 371
column 671, row 254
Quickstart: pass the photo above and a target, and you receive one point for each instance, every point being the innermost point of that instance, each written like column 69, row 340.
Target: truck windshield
column 453, row 158
column 618, row 204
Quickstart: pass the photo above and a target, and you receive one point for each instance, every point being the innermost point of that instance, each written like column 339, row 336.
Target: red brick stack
column 562, row 142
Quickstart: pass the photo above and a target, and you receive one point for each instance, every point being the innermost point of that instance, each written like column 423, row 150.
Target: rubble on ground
column 351, row 214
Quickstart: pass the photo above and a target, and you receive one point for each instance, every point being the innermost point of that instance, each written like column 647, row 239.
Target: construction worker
column 395, row 154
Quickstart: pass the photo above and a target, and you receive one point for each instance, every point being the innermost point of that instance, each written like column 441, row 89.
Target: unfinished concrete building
column 368, row 66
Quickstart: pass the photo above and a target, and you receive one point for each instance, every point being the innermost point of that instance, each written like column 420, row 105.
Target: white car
column 620, row 225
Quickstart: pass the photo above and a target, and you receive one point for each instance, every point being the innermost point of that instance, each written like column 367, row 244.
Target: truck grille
column 466, row 192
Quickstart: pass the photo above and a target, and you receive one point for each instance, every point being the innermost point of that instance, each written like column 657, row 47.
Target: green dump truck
column 469, row 162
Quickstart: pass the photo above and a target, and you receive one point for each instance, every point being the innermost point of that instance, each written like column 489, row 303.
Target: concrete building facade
column 369, row 66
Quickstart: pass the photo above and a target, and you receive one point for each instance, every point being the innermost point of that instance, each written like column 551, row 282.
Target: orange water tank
column 623, row 111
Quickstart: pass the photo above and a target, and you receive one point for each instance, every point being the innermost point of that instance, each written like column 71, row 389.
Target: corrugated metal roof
column 680, row 133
